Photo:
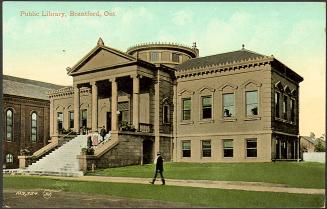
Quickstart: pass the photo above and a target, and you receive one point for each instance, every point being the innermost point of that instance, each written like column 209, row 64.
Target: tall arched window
column 33, row 127
column 9, row 125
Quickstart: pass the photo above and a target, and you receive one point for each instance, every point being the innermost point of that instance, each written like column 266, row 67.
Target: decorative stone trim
column 228, row 66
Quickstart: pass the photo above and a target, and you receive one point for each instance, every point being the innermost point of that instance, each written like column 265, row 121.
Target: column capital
column 136, row 76
column 113, row 79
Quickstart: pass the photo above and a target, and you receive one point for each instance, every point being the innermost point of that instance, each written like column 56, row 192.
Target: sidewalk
column 236, row 185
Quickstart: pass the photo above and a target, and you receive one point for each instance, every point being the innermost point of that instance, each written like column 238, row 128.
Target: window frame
column 285, row 105
column 293, row 109
column 182, row 148
column 71, row 119
column 151, row 56
column 205, row 149
column 277, row 104
column 223, row 105
column 9, row 125
column 202, row 107
column 247, row 148
column 166, row 115
column 11, row 159
column 183, row 110
column 246, row 103
column 62, row 121
column 228, row 148
column 82, row 111
column 176, row 55
column 34, row 128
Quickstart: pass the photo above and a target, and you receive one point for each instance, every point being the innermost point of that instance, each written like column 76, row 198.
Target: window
column 206, row 148
column 186, row 148
column 9, row 125
column 293, row 110
column 9, row 158
column 186, row 114
column 154, row 56
column 251, row 103
column 206, row 107
column 60, row 120
column 228, row 147
column 175, row 57
column 166, row 113
column 285, row 108
column 84, row 118
column 123, row 108
column 229, row 108
column 71, row 119
column 251, row 147
column 33, row 127
column 277, row 98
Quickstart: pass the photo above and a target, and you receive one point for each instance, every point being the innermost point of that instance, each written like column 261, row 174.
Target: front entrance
column 147, row 151
column 108, row 121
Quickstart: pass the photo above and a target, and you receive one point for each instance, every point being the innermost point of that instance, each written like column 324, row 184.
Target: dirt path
column 237, row 185
column 40, row 198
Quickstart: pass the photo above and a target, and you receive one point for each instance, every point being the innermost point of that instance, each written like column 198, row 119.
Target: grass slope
column 195, row 196
column 293, row 174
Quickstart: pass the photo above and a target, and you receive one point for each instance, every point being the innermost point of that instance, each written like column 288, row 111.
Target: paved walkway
column 236, row 185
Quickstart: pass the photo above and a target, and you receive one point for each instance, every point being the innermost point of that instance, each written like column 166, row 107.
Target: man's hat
column 158, row 153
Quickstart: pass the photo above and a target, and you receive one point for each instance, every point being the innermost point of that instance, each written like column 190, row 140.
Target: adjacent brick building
column 26, row 117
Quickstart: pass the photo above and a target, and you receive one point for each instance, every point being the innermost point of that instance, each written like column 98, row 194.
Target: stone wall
column 165, row 148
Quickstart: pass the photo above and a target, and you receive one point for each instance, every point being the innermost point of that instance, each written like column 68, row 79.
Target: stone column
column 136, row 95
column 52, row 116
column 173, row 147
column 114, row 101
column 157, row 114
column 76, row 108
column 94, row 106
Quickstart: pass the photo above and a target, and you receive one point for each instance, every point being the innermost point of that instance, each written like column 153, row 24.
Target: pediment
column 100, row 57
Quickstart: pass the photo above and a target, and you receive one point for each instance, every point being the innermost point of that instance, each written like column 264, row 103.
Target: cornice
column 220, row 68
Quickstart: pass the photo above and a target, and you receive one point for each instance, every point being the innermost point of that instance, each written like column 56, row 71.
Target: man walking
column 159, row 168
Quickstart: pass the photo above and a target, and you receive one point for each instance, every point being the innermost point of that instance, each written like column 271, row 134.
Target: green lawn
column 293, row 174
column 196, row 196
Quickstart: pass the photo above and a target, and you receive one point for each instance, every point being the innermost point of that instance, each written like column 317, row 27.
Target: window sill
column 186, row 122
column 228, row 157
column 251, row 157
column 206, row 121
column 252, row 118
column 229, row 119
column 166, row 123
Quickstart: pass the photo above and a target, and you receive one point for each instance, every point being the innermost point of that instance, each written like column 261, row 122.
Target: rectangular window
column 154, row 56
column 251, row 147
column 206, row 148
column 123, row 108
column 166, row 113
column 285, row 108
column 228, row 147
column 60, row 120
column 293, row 110
column 84, row 118
column 277, row 98
column 186, row 148
column 229, row 108
column 175, row 57
column 251, row 103
column 71, row 119
column 206, row 107
column 186, row 114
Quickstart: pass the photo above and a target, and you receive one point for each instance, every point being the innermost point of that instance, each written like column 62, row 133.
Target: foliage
column 293, row 174
column 319, row 146
column 196, row 196
column 87, row 151
column 125, row 126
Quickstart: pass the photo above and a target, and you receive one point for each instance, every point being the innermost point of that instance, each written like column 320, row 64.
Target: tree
column 312, row 135
column 319, row 147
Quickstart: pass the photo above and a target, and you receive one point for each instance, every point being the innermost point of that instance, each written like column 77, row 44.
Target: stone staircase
column 61, row 161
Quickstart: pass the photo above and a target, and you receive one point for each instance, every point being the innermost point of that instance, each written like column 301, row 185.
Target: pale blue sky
column 293, row 32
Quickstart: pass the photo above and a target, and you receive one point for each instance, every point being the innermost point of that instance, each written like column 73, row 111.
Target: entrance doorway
column 147, row 151
column 108, row 121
